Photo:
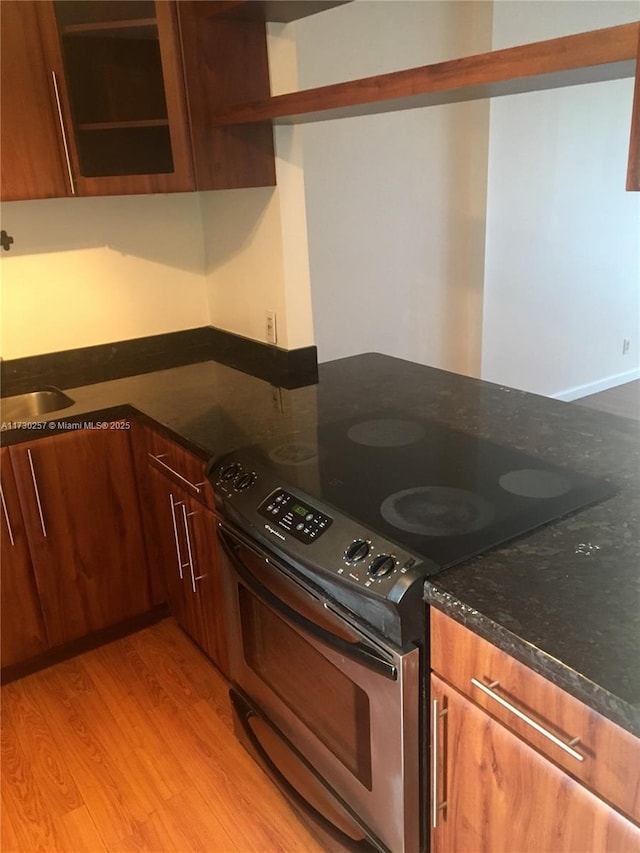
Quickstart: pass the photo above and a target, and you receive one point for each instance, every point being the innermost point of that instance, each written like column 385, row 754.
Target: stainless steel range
column 326, row 541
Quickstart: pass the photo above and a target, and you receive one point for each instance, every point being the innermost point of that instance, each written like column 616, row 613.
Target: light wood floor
column 130, row 748
column 623, row 400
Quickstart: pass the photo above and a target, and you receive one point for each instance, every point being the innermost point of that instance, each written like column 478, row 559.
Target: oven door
column 346, row 704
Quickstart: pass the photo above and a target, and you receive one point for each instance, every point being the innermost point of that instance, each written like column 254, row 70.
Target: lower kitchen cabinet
column 493, row 792
column 517, row 763
column 79, row 504
column 22, row 624
column 181, row 532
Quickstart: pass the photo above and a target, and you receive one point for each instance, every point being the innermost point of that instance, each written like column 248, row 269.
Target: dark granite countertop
column 564, row 599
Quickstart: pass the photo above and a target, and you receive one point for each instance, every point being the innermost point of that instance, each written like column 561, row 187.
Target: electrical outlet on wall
column 272, row 332
column 626, row 346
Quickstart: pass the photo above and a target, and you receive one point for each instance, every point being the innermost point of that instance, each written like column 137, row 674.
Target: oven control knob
column 382, row 565
column 357, row 551
column 244, row 481
column 230, row 471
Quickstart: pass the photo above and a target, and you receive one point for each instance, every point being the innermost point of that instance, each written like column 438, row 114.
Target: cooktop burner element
column 437, row 511
column 534, row 483
column 372, row 505
column 294, row 453
column 386, row 432
column 367, row 508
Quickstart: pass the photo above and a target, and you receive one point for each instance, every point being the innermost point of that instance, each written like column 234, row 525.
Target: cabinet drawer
column 593, row 749
column 180, row 466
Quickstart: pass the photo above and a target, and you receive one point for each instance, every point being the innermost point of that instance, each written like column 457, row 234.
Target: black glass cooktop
column 442, row 493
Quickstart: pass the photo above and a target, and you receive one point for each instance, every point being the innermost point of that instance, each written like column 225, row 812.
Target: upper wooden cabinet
column 32, row 162
column 116, row 74
column 94, row 99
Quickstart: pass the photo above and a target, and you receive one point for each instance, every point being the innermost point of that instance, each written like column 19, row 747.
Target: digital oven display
column 303, row 522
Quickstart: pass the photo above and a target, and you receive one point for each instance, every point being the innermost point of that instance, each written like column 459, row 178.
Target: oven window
column 334, row 708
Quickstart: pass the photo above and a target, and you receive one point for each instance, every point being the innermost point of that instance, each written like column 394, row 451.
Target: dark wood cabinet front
column 23, row 631
column 182, row 541
column 494, row 792
column 119, row 76
column 116, row 97
column 80, row 507
column 32, row 160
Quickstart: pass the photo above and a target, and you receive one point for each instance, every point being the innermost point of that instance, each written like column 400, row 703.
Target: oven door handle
column 243, row 714
column 361, row 652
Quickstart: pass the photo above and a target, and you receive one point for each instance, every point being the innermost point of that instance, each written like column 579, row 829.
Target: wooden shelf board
column 124, row 125
column 633, row 166
column 278, row 11
column 104, row 26
column 595, row 56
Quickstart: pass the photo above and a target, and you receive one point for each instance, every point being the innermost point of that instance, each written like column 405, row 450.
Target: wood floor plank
column 80, row 828
column 111, row 789
column 154, row 835
column 624, row 400
column 185, row 824
column 144, row 728
column 40, row 750
column 8, row 836
column 33, row 822
column 151, row 716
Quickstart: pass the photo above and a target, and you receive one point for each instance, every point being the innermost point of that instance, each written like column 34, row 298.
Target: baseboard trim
column 605, row 384
column 84, row 644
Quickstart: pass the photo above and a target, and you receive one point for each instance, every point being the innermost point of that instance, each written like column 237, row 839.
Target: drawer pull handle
column 63, row 130
column 190, row 564
column 6, row 517
column 567, row 747
column 37, row 493
column 175, row 473
column 436, row 806
column 173, row 504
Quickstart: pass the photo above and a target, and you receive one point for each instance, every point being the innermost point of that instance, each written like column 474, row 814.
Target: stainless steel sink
column 26, row 406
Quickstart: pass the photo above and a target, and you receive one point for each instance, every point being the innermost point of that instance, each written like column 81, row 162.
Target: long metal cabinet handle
column 189, row 555
column 175, row 473
column 567, row 747
column 436, row 807
column 173, row 505
column 6, row 516
column 185, row 517
column 37, row 493
column 63, row 131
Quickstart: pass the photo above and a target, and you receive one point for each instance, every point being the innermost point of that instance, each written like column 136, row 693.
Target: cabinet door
column 80, row 506
column 23, row 633
column 605, row 757
column 119, row 76
column 32, row 162
column 185, row 544
column 206, row 609
column 494, row 792
column 166, row 547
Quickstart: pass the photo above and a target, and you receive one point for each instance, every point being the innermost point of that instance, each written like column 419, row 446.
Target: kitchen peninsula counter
column 564, row 598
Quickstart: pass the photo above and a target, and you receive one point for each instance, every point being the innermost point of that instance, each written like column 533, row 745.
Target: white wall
column 398, row 207
column 87, row 271
column 562, row 276
column 256, row 239
column 92, row 271
column 395, row 202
